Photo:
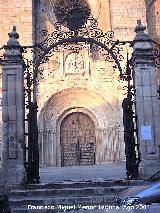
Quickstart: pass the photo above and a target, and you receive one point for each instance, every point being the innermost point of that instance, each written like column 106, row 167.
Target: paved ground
column 108, row 171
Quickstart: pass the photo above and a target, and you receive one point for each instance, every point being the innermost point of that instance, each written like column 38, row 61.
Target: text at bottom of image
column 86, row 207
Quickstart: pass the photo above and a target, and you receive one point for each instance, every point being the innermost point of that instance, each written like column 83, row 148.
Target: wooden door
column 78, row 141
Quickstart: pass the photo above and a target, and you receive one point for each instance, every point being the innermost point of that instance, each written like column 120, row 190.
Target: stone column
column 147, row 103
column 13, row 110
column 54, row 149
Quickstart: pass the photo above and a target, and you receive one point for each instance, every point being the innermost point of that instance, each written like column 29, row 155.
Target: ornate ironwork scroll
column 89, row 32
column 157, row 53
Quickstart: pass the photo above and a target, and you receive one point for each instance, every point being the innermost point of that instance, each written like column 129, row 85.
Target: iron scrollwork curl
column 157, row 53
column 88, row 31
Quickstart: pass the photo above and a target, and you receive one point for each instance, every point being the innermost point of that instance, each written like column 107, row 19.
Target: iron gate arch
column 77, row 40
column 83, row 40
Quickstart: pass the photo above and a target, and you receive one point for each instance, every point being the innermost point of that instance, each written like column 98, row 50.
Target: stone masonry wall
column 124, row 16
column 153, row 18
column 19, row 13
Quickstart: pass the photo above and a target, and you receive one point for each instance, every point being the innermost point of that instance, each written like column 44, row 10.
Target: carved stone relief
column 76, row 59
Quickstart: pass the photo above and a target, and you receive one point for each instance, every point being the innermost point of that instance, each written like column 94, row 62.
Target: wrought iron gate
column 79, row 33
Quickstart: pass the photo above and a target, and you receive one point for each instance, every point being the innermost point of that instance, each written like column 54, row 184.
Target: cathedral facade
column 79, row 93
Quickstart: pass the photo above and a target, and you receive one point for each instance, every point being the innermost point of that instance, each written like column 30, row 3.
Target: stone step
column 78, row 184
column 66, row 193
column 97, row 191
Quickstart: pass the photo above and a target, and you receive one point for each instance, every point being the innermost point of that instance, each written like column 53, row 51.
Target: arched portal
column 101, row 117
column 77, row 140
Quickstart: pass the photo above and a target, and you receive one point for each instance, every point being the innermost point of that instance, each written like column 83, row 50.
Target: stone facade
column 80, row 81
column 94, row 76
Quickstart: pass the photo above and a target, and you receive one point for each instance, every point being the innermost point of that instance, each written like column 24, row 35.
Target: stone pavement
column 108, row 171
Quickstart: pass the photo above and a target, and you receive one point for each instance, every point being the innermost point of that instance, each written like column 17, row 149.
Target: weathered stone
column 148, row 107
column 13, row 111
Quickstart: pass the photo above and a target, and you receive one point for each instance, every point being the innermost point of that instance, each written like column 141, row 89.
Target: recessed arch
column 79, row 100
column 77, row 97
